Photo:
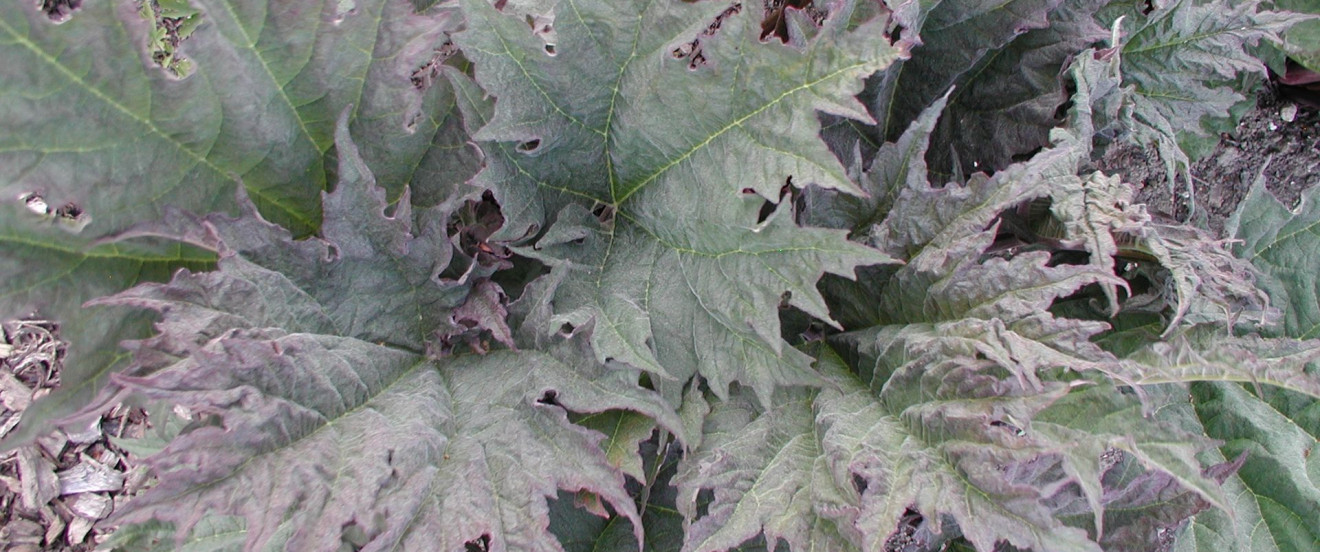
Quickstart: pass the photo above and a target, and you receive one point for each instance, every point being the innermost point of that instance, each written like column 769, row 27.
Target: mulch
column 53, row 492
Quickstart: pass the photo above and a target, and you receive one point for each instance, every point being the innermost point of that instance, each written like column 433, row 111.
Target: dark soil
column 1278, row 136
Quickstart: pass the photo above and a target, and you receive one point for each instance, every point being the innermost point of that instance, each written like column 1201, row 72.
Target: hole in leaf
column 719, row 19
column 35, row 203
column 550, row 50
column 776, row 17
column 529, row 146
column 692, row 50
column 604, row 213
column 478, row 545
column 1015, row 430
column 550, row 397
column 906, row 534
column 567, row 330
column 859, row 483
column 499, row 4
column 474, row 224
column 425, row 75
column 59, row 11
column 698, row 60
column 70, row 210
column 169, row 26
column 685, row 50
column 766, row 208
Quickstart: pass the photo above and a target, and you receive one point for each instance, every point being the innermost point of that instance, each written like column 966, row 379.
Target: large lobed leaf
column 92, row 120
column 622, row 152
column 1276, row 491
column 319, row 416
column 959, row 412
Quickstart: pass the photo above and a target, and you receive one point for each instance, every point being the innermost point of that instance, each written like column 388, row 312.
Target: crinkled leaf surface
column 625, row 148
column 935, row 316
column 324, row 412
column 1181, row 59
column 336, row 432
column 90, row 119
column 901, row 424
column 1276, row 492
column 837, row 470
column 370, row 275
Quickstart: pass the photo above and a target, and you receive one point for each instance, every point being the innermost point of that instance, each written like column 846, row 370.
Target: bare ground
column 1278, row 136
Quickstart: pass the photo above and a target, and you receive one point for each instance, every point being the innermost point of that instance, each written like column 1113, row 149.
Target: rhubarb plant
column 657, row 275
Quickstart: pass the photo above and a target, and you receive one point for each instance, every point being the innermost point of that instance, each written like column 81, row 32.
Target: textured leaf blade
column 1276, row 240
column 93, row 121
column 38, row 256
column 409, row 443
column 330, row 421
column 1181, row 60
column 264, row 72
column 1280, row 472
column 803, row 483
column 654, row 236
column 1278, row 429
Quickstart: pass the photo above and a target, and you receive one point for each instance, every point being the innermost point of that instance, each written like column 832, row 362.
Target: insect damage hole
column 481, row 544
column 692, row 51
column 529, row 146
column 169, row 26
column 60, row 11
column 549, row 397
column 604, row 213
column 425, row 75
column 35, row 203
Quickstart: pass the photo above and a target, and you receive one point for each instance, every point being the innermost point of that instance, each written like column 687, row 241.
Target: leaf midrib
column 81, row 84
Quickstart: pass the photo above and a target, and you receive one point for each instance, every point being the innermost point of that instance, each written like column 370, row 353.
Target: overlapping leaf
column 91, row 120
column 1276, row 240
column 839, row 470
column 947, row 315
column 1276, row 489
column 623, row 149
column 1181, row 60
column 938, row 321
column 1003, row 63
column 308, row 357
